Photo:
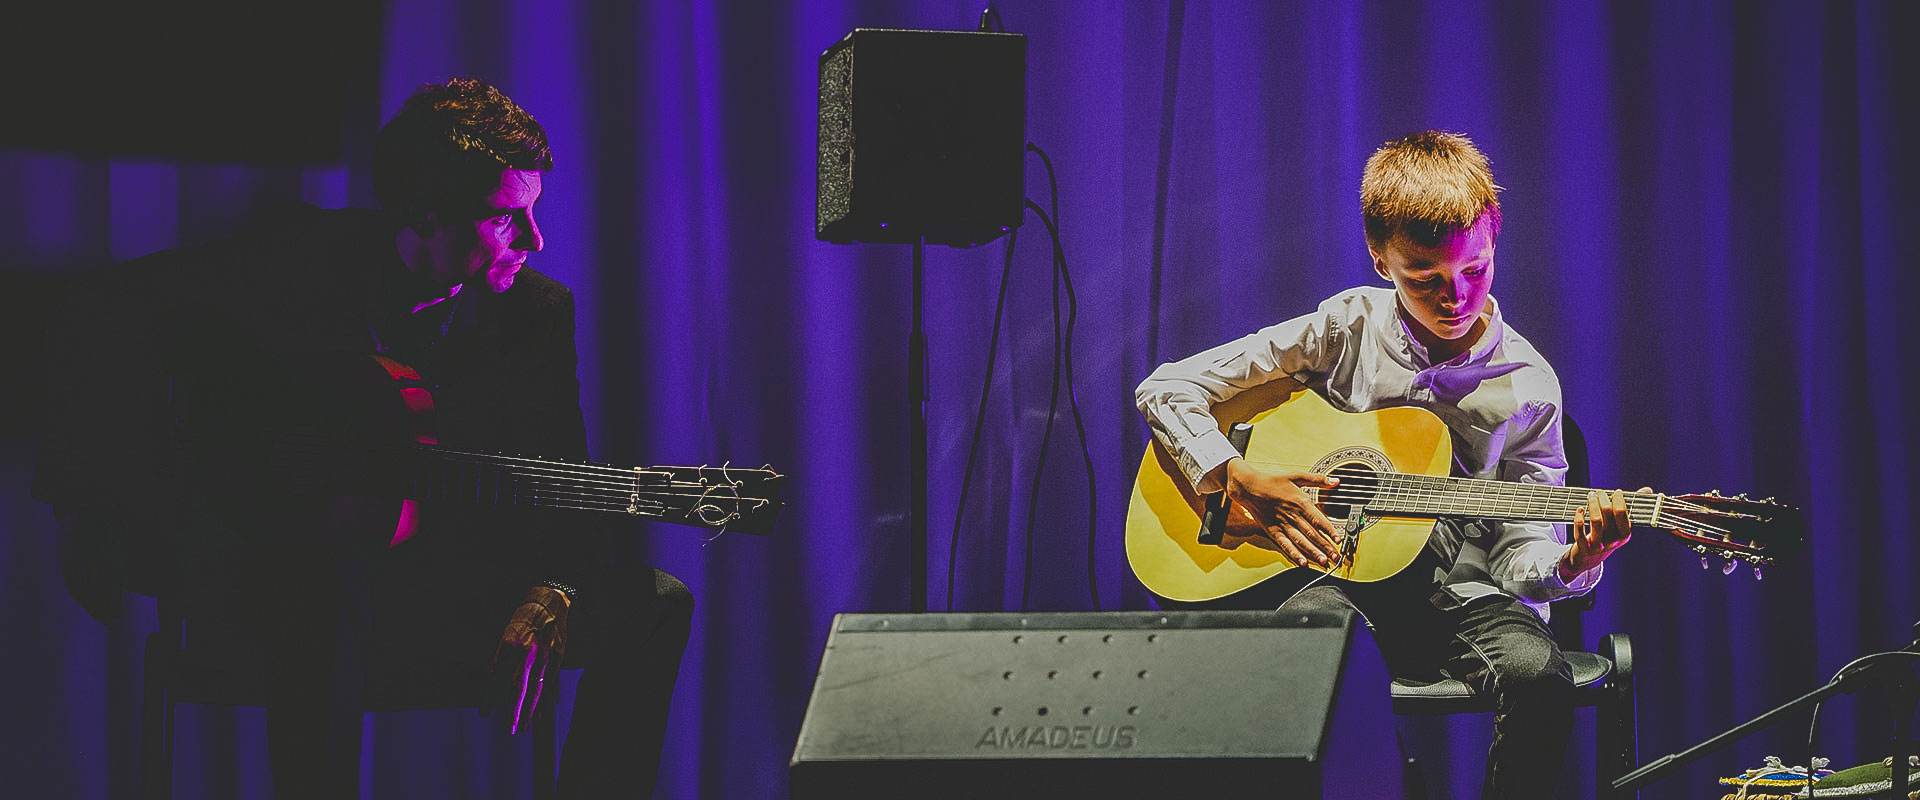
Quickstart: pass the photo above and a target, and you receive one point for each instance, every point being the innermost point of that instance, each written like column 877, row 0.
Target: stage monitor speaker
column 922, row 133
column 1110, row 705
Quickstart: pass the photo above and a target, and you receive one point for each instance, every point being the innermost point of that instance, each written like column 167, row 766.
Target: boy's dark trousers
column 1494, row 645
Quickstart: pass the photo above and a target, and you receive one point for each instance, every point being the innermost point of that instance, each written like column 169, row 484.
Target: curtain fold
column 1706, row 231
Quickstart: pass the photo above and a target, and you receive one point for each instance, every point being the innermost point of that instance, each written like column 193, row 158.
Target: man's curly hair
column 1431, row 186
column 447, row 146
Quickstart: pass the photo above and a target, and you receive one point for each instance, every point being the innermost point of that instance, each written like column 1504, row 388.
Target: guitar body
column 1294, row 429
column 279, row 446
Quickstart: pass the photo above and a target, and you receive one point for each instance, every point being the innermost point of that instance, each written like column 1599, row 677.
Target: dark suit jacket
column 144, row 348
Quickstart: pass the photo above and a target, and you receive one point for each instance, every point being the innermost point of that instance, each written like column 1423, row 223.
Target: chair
column 1603, row 680
column 185, row 663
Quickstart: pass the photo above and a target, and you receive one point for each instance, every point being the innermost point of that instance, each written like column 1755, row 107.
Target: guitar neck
column 723, row 497
column 438, row 474
column 1437, row 496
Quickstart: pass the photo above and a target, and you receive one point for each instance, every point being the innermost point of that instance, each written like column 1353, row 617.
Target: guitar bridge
column 1350, row 534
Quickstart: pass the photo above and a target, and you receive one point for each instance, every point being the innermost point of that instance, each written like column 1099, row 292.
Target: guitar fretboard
column 1429, row 495
column 711, row 497
column 438, row 474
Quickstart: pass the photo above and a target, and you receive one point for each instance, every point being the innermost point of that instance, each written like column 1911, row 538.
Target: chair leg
column 156, row 721
column 1617, row 740
column 544, row 772
column 1413, row 778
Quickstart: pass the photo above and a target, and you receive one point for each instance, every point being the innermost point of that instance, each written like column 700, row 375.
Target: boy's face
column 1443, row 289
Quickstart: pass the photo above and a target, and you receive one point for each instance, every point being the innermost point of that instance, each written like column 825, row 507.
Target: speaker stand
column 917, row 395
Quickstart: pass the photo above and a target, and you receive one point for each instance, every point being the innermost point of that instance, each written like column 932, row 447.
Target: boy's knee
column 1537, row 674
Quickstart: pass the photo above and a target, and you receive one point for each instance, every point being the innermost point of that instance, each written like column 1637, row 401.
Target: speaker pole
column 917, row 394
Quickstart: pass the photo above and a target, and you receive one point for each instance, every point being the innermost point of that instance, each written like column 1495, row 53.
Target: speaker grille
column 835, row 173
column 922, row 133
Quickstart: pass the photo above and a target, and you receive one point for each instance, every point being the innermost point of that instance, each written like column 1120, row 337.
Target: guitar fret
column 743, row 498
column 1473, row 497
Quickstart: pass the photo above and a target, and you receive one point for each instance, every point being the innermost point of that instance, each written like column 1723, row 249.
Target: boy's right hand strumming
column 1278, row 503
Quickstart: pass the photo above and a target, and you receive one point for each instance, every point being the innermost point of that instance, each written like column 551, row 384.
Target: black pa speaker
column 1111, row 705
column 922, row 133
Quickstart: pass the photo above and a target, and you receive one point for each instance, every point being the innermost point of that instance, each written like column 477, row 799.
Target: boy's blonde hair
column 1431, row 186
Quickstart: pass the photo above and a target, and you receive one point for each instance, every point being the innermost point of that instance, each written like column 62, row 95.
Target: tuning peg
column 1740, row 496
column 1703, row 562
column 1728, row 569
column 1714, row 493
column 1756, row 572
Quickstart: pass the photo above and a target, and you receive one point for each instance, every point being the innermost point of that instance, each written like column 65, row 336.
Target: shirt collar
column 1482, row 349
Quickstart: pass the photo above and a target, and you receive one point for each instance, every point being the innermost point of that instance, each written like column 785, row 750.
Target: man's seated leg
column 630, row 637
column 313, row 642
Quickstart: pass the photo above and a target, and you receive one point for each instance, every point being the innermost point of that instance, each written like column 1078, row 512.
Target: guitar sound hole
column 1358, row 485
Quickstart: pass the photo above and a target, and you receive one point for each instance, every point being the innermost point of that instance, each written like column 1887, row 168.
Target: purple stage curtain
column 1704, row 207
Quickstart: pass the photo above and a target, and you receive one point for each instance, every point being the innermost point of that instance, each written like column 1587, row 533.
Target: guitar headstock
column 1760, row 532
column 723, row 498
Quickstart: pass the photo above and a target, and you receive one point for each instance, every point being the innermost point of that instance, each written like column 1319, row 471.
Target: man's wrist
column 1568, row 573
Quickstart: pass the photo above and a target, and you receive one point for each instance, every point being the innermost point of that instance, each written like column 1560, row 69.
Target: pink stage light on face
column 491, row 245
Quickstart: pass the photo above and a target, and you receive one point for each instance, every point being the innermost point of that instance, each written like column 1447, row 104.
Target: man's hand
column 1278, row 502
column 530, row 651
column 1598, row 530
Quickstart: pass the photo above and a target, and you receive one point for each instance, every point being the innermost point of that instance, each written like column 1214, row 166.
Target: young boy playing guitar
column 1474, row 601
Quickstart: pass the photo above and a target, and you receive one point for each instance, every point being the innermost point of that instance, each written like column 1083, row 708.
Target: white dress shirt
column 1500, row 400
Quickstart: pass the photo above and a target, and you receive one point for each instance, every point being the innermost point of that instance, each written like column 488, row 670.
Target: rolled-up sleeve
column 1525, row 557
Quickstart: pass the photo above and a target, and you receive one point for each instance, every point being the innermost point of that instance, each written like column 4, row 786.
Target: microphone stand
column 918, row 392
column 1874, row 671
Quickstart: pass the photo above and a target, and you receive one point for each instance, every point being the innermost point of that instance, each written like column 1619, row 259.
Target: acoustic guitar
column 1393, row 467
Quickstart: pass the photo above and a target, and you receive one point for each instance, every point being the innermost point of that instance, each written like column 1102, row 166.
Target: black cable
column 1053, row 405
column 1814, row 724
column 980, row 417
column 1086, row 454
column 1073, row 394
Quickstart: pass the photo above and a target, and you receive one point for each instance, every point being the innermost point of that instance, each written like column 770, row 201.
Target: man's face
column 1443, row 289
column 488, row 243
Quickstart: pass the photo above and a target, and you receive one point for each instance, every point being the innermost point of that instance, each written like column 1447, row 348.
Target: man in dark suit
column 217, row 357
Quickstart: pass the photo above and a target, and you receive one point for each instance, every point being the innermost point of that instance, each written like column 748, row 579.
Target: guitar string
column 564, row 466
column 1704, row 532
column 1489, row 502
column 1493, row 493
column 1438, row 486
column 1444, row 490
column 1551, row 507
column 1493, row 485
column 1564, row 503
column 614, row 494
column 613, row 477
column 620, row 507
column 607, row 502
column 534, row 487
